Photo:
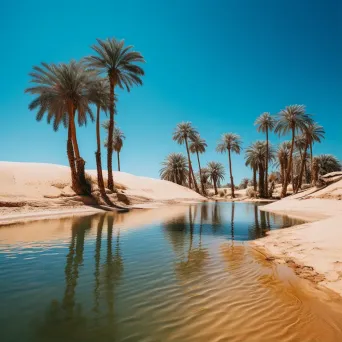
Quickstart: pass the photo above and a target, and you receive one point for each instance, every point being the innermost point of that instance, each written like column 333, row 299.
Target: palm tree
column 244, row 183
column 291, row 120
column 312, row 133
column 323, row 164
column 251, row 161
column 315, row 133
column 216, row 173
column 119, row 63
column 118, row 138
column 283, row 155
column 230, row 142
column 204, row 178
column 197, row 146
column 265, row 123
column 118, row 143
column 99, row 95
column 255, row 156
column 183, row 132
column 60, row 91
column 175, row 168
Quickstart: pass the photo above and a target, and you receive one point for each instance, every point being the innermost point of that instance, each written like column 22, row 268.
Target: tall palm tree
column 283, row 156
column 230, row 142
column 312, row 133
column 198, row 145
column 118, row 137
column 99, row 95
column 265, row 123
column 256, row 156
column 291, row 120
column 61, row 91
column 216, row 173
column 175, row 168
column 119, row 63
column 182, row 134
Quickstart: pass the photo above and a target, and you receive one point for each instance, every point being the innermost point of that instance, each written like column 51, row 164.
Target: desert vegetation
column 67, row 93
column 291, row 162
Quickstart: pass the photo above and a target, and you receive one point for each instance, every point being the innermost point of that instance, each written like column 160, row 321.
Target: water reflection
column 235, row 221
column 110, row 281
column 67, row 320
column 61, row 316
column 194, row 259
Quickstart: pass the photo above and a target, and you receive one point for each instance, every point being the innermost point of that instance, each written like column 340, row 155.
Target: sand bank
column 37, row 190
column 313, row 249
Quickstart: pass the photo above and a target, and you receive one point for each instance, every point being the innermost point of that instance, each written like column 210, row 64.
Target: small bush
column 221, row 193
column 225, row 191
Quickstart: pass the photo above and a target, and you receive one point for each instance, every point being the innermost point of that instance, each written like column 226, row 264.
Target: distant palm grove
column 66, row 92
column 292, row 161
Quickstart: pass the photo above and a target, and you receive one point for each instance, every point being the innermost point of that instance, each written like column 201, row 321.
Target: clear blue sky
column 218, row 64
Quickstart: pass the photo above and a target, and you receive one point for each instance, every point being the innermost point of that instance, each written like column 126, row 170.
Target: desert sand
column 313, row 249
column 36, row 190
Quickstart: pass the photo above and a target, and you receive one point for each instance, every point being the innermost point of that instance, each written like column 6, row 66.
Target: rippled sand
column 170, row 281
column 233, row 294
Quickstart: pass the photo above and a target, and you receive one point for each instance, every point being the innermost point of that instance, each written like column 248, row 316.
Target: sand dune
column 313, row 249
column 32, row 187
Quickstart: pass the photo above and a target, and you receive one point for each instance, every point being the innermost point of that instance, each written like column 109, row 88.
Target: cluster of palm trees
column 290, row 155
column 293, row 158
column 178, row 169
column 66, row 92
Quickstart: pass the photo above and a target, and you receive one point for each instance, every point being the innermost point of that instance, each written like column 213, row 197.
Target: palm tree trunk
column 118, row 153
column 71, row 157
column 282, row 173
column 189, row 161
column 110, row 135
column 261, row 181
column 80, row 163
column 100, row 181
column 191, row 171
column 306, row 173
column 200, row 172
column 98, row 154
column 231, row 174
column 215, row 187
column 300, row 180
column 289, row 166
column 267, row 156
column 292, row 178
column 311, row 160
column 254, row 178
column 194, row 180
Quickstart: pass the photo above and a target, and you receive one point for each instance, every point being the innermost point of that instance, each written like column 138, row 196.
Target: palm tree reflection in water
column 232, row 223
column 66, row 320
column 193, row 260
column 113, row 266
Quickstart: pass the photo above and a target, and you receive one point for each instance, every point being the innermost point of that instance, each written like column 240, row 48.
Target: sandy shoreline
column 313, row 249
column 14, row 218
